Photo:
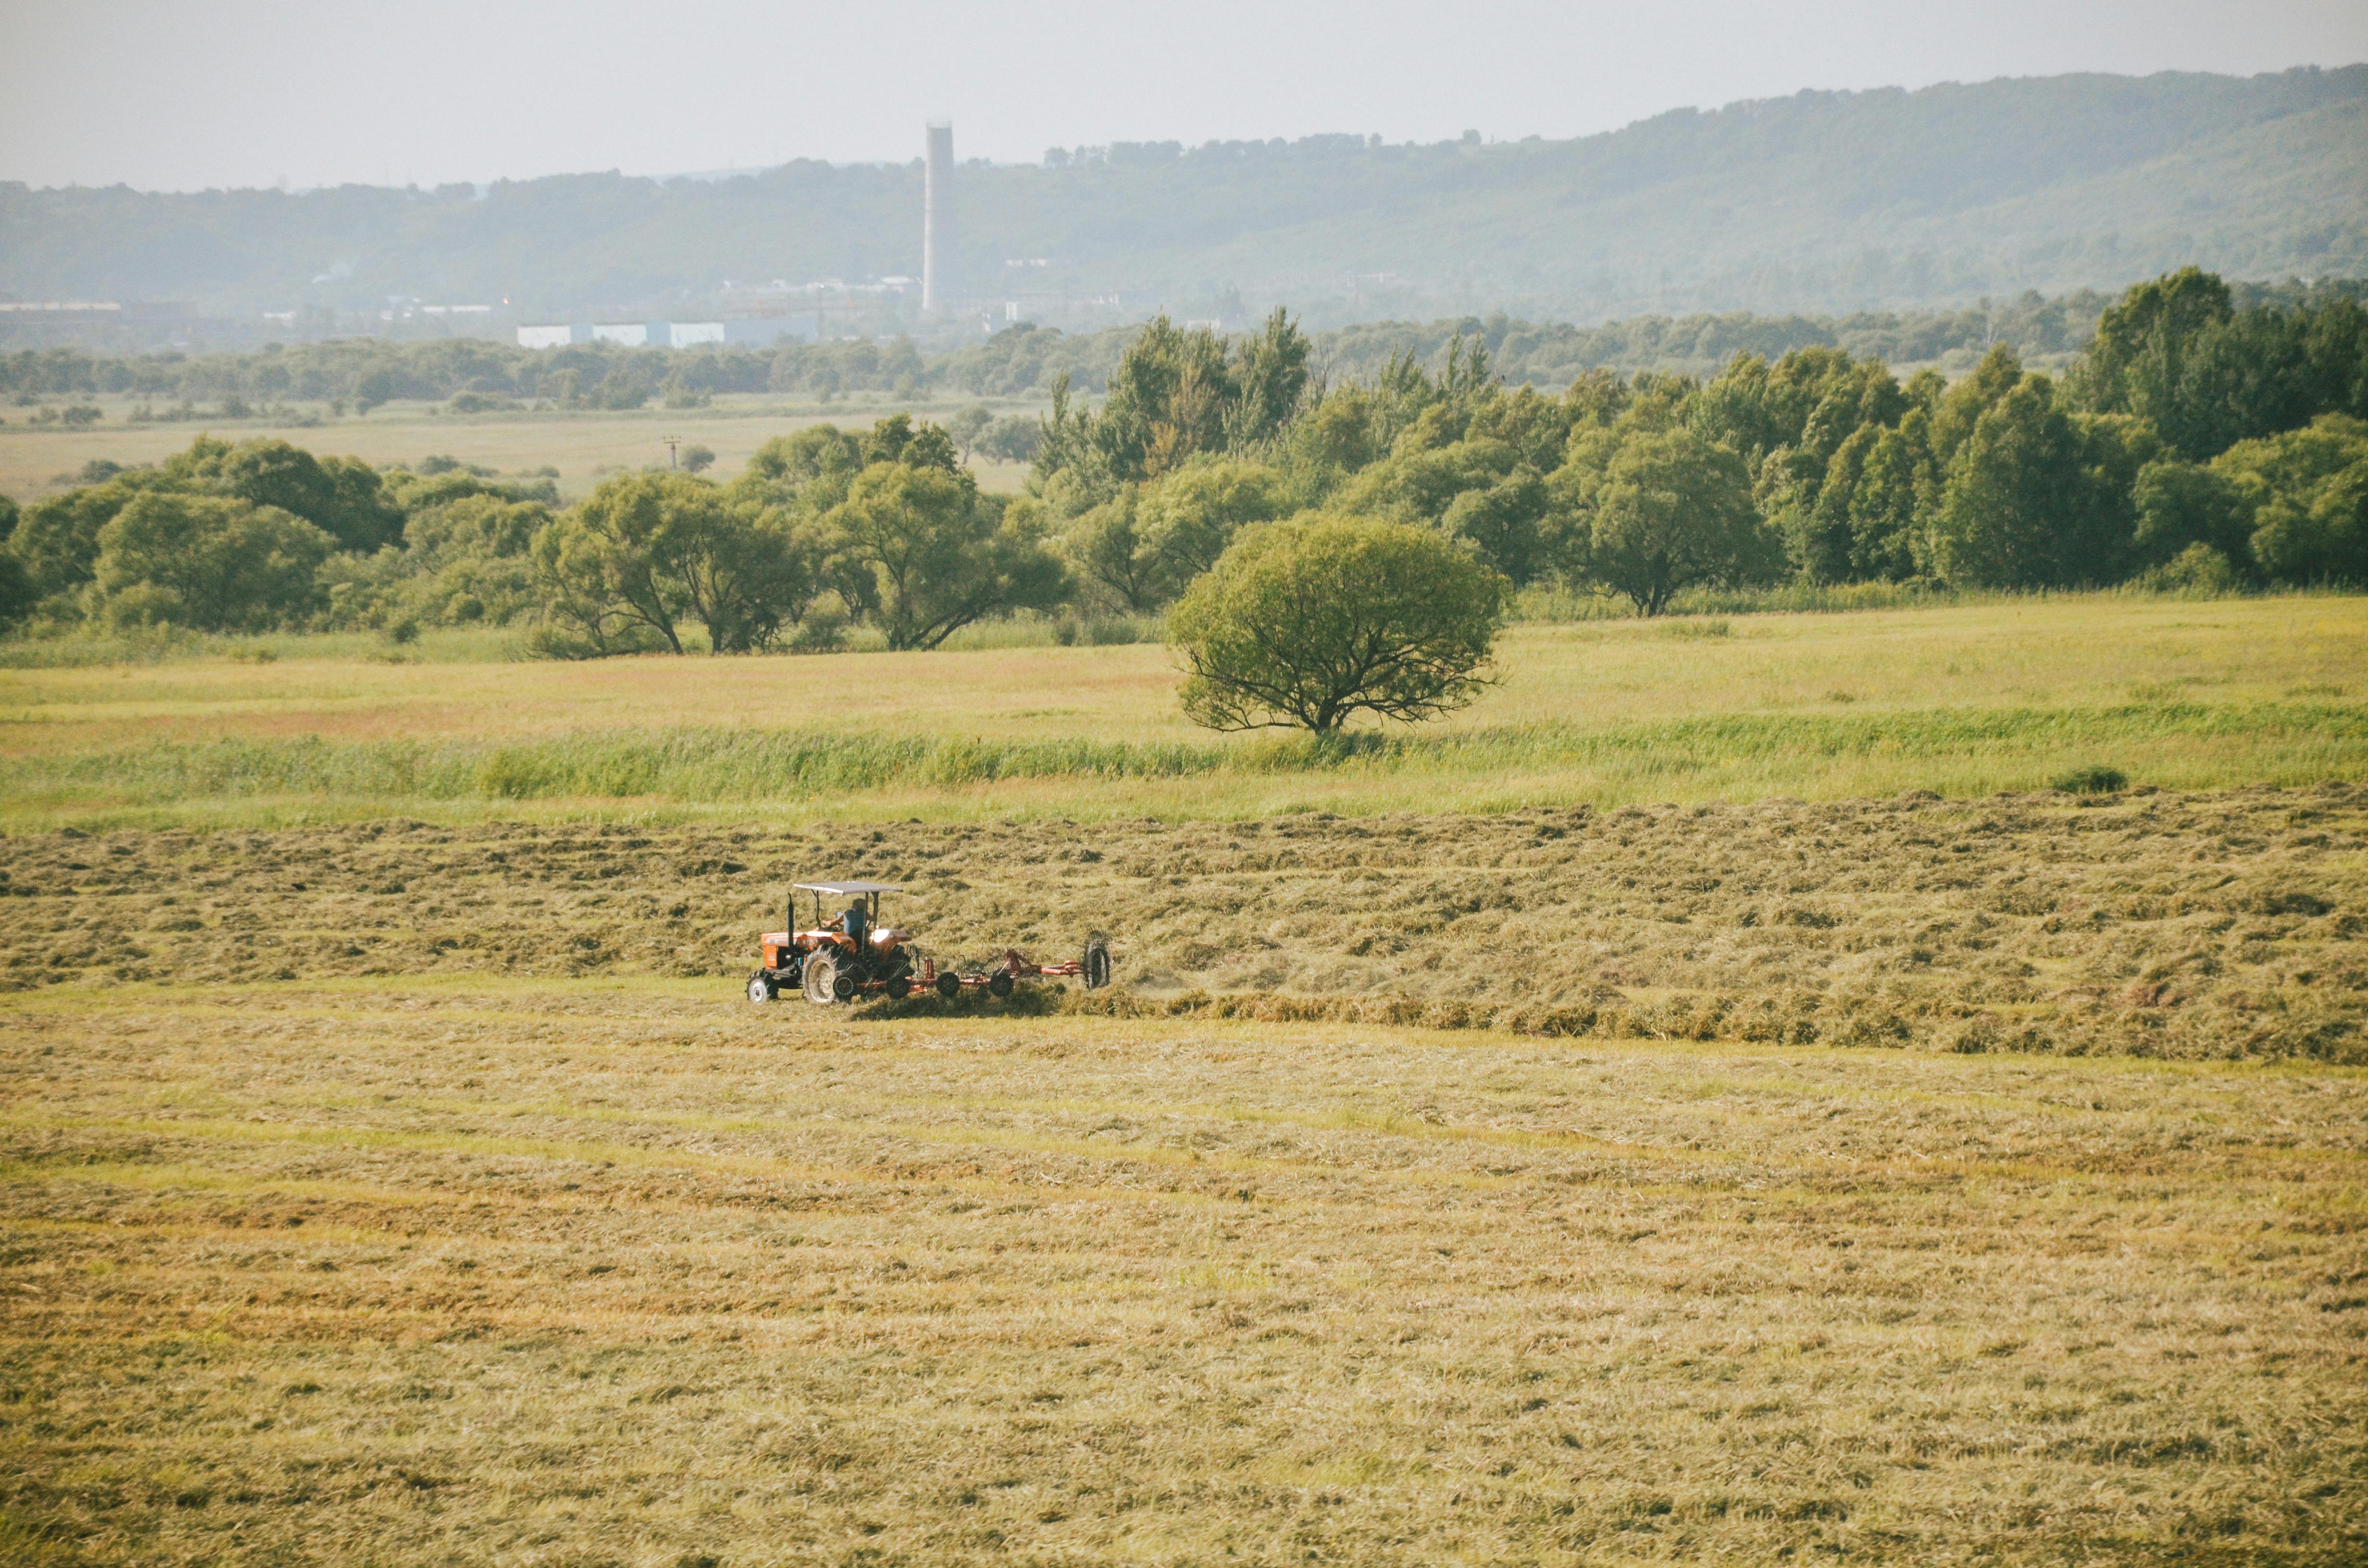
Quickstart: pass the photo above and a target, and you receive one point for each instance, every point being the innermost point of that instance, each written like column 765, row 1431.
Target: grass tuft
column 2093, row 779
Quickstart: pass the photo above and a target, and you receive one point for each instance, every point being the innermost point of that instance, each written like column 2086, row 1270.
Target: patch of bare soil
column 2154, row 924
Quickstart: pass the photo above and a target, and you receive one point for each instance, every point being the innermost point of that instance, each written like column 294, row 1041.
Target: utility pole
column 671, row 443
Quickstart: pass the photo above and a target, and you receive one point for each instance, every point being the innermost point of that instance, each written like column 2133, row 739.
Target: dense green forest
column 360, row 373
column 2199, row 443
column 1822, row 201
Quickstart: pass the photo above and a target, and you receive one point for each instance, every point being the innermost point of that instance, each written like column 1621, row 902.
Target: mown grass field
column 36, row 460
column 552, row 1272
column 1962, row 700
column 1825, row 1156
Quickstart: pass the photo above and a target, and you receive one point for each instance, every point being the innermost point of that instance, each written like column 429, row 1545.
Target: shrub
column 1014, row 438
column 1310, row 622
column 646, row 551
column 210, row 563
column 57, row 541
column 824, row 628
column 2094, row 779
column 930, row 556
column 16, row 596
column 1672, row 510
column 2198, row 571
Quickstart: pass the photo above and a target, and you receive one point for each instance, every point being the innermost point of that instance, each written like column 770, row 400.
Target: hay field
column 37, row 460
column 1963, row 700
column 543, row 1272
column 1827, row 1157
column 2154, row 924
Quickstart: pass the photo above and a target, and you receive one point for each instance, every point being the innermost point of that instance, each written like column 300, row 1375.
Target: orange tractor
column 851, row 956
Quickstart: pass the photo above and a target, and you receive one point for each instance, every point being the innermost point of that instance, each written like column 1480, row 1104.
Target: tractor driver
column 854, row 923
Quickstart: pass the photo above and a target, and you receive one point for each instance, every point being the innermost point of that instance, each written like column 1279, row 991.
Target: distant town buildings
column 63, row 313
column 59, row 308
column 755, row 331
column 71, row 321
column 792, row 326
column 1036, row 307
column 402, row 308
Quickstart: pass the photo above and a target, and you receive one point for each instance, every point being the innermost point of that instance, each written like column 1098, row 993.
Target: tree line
column 1026, row 360
column 475, row 375
column 2200, row 442
column 823, row 528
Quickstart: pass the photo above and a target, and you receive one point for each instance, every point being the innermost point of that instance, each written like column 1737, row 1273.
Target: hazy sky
column 182, row 95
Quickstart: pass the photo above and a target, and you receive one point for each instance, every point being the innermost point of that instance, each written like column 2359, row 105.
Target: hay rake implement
column 851, row 956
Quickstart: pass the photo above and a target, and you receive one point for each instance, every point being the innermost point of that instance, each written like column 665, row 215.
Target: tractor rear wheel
column 821, row 978
column 760, row 987
column 1097, row 962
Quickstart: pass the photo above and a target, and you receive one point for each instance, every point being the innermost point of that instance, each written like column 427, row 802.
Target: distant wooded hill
column 1822, row 201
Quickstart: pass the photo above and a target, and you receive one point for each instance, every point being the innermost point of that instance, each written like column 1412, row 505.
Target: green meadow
column 1966, row 699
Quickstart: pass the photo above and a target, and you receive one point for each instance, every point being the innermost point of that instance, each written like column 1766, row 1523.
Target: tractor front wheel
column 760, row 987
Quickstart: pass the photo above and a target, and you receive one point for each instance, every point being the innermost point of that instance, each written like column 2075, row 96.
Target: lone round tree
column 1308, row 623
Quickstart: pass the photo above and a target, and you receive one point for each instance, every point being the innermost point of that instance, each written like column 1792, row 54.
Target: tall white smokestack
column 938, row 220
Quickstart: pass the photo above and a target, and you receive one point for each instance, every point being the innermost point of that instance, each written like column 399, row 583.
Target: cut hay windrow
column 710, row 765
column 2143, row 923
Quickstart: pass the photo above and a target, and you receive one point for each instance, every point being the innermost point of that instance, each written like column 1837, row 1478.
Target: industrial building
column 756, row 330
column 756, row 316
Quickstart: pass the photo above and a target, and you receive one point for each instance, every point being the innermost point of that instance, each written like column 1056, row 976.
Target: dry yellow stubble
column 611, row 1272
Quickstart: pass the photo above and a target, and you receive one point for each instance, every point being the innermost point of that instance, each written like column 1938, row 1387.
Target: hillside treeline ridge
column 1025, row 360
column 1820, row 201
column 2197, row 445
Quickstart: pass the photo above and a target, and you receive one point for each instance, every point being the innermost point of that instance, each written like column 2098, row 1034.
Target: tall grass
column 728, row 765
column 1557, row 606
column 85, row 650
column 1536, row 607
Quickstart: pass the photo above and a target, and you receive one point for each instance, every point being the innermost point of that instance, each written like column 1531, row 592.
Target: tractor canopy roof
column 848, row 887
